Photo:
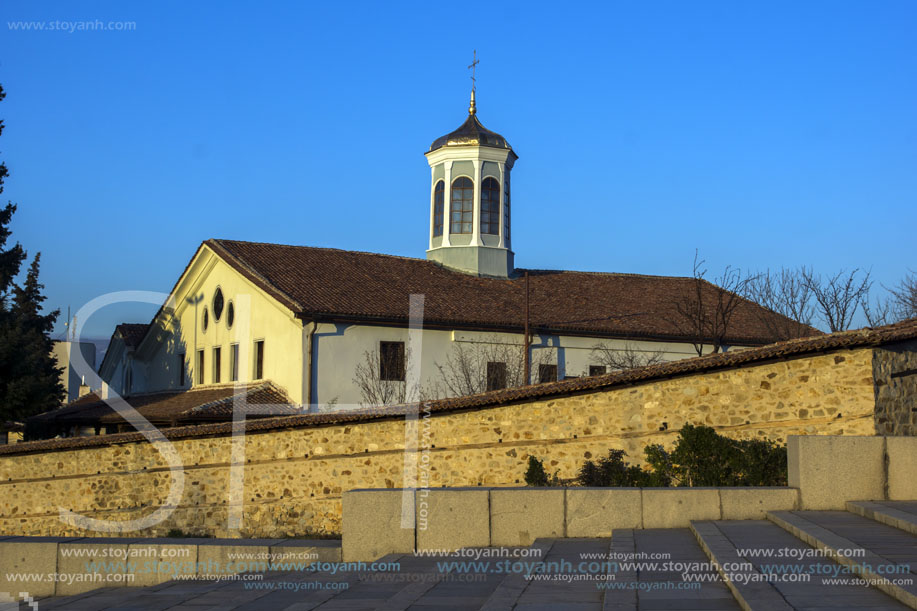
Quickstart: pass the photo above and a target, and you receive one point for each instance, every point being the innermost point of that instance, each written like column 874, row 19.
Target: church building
column 326, row 329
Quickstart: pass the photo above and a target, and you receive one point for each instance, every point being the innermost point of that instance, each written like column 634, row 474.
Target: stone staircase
column 871, row 541
column 793, row 560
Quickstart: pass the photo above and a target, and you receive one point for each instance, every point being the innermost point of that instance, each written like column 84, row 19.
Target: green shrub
column 700, row 457
column 535, row 475
column 612, row 471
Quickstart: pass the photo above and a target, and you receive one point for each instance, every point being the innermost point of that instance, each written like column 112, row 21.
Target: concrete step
column 510, row 589
column 900, row 514
column 769, row 568
column 881, row 554
column 749, row 587
column 663, row 569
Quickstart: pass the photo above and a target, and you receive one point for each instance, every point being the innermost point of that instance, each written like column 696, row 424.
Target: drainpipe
column 307, row 367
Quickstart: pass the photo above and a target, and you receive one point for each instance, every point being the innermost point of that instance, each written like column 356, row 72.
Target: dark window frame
column 461, row 208
column 217, row 364
column 547, row 373
column 181, row 369
column 217, row 303
column 490, row 206
column 439, row 207
column 201, row 365
column 597, row 370
column 391, row 362
column 233, row 362
column 496, row 375
column 258, row 360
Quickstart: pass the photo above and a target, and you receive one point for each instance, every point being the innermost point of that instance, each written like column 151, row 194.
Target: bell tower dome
column 470, row 199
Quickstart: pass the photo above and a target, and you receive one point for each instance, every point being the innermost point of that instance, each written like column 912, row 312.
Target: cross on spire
column 474, row 64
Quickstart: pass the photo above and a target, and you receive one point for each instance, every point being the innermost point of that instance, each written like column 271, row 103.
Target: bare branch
column 705, row 312
column 838, row 297
column 786, row 294
column 905, row 297
column 373, row 390
column 626, row 357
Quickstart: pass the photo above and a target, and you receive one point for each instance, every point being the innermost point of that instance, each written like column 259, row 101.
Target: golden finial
column 471, row 108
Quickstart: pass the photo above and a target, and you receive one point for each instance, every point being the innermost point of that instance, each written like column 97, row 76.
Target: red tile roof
column 170, row 408
column 359, row 286
column 132, row 333
column 862, row 338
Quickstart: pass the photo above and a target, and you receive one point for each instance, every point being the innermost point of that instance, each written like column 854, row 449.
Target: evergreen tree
column 29, row 377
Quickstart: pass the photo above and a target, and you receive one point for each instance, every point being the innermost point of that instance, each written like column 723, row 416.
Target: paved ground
column 573, row 574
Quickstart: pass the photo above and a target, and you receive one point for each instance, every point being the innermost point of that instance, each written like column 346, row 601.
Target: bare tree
column 705, row 312
column 880, row 311
column 373, row 389
column 838, row 297
column 905, row 297
column 467, row 367
column 627, row 357
column 786, row 293
column 900, row 303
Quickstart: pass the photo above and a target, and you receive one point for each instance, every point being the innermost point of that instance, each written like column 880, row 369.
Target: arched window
column 490, row 206
column 506, row 209
column 439, row 196
column 462, row 205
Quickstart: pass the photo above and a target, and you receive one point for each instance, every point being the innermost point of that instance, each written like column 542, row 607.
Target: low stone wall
column 824, row 473
column 85, row 564
column 448, row 519
column 294, row 477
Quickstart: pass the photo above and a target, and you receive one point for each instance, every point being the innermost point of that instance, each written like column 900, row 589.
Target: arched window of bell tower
column 439, row 196
column 462, row 219
column 490, row 206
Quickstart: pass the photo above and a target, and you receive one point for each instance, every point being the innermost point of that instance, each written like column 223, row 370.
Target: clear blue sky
column 782, row 133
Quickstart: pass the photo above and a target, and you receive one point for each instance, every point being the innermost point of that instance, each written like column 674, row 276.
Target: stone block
column 829, row 470
column 155, row 561
column 28, row 555
column 376, row 523
column 753, row 503
column 676, row 507
column 595, row 512
column 518, row 516
column 98, row 563
column 453, row 518
column 902, row 466
column 305, row 551
column 231, row 558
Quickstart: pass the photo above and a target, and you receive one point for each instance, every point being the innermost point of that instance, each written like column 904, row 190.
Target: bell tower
column 470, row 199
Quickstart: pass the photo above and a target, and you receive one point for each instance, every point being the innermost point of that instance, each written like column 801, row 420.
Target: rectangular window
column 234, row 362
column 597, row 370
column 547, row 373
column 391, row 361
column 259, row 359
column 4, row 438
column 217, row 363
column 200, row 366
column 496, row 375
column 181, row 370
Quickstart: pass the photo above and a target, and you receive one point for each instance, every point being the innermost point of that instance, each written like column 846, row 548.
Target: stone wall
column 294, row 478
column 895, row 372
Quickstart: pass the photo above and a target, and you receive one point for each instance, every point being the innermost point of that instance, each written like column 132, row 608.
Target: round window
column 205, row 319
column 217, row 304
column 230, row 314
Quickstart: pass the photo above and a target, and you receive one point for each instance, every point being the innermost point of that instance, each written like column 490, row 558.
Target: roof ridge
column 328, row 248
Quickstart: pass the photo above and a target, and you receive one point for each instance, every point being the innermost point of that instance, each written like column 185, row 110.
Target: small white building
column 64, row 353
